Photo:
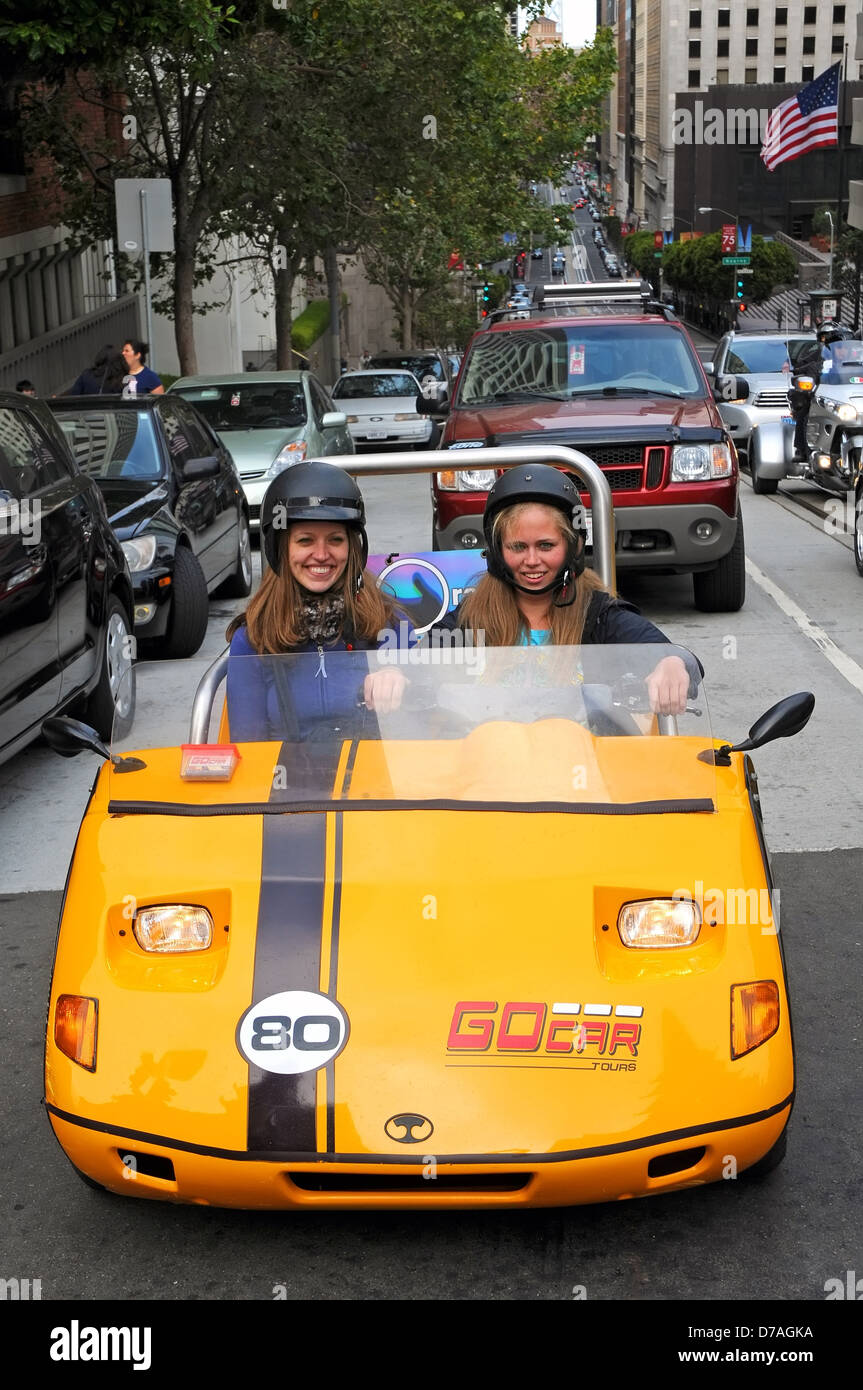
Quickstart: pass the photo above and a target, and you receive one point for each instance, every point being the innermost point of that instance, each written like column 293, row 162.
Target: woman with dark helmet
column 537, row 591
column 315, row 596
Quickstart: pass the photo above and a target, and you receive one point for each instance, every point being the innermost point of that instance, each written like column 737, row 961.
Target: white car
column 381, row 408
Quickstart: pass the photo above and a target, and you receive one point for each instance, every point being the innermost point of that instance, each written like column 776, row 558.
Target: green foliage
column 310, row 325
column 696, row 267
column 611, row 223
column 638, row 250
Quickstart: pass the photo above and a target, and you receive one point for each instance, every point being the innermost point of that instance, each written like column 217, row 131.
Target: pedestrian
column 365, row 358
column 26, row 388
column 103, row 378
column 139, row 379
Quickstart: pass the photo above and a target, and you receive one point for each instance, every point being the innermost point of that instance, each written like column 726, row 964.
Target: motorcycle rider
column 811, row 362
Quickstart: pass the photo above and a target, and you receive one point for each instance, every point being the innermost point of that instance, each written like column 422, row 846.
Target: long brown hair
column 273, row 617
column 492, row 607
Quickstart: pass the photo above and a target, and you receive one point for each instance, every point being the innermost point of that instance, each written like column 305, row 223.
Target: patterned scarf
column 322, row 616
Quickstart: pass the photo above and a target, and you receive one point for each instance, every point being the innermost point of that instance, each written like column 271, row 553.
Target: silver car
column 268, row 421
column 766, row 361
column 381, row 408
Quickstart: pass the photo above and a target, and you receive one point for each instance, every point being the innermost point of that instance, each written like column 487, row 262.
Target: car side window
column 319, row 400
column 177, row 435
column 29, row 458
column 196, row 432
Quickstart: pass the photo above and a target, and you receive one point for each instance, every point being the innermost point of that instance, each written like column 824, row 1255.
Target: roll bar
column 434, row 461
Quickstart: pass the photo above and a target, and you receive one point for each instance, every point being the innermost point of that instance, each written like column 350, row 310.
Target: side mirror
column 782, row 720
column 201, row 468
column 709, row 368
column 333, row 420
column 437, row 408
column 731, row 388
column 69, row 737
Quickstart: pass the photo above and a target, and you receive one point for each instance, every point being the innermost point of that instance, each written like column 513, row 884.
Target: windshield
column 562, row 361
column 765, row 354
column 357, row 388
column 419, row 366
column 560, row 727
column 844, row 366
column 245, row 405
column 113, row 443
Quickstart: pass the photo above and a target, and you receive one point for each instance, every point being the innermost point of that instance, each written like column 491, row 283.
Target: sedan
column 175, row 503
column 382, row 408
column 268, row 421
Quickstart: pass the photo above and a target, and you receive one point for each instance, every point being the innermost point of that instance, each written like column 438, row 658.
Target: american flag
column 807, row 121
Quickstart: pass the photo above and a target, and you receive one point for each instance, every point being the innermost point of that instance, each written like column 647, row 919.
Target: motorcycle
column 834, row 428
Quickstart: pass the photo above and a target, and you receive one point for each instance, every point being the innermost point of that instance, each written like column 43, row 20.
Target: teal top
column 539, row 637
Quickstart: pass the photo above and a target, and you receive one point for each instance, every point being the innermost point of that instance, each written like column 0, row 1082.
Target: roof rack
column 594, row 297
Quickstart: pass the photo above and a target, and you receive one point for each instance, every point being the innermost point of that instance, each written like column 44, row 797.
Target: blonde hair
column 273, row 617
column 492, row 607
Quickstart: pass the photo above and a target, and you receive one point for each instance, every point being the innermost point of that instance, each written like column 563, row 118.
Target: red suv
column 626, row 388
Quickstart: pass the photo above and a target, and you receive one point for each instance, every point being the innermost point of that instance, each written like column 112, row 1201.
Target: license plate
column 376, row 434
column 788, row 419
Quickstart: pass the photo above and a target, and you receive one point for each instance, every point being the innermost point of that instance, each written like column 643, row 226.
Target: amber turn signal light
column 754, row 1015
column 75, row 1020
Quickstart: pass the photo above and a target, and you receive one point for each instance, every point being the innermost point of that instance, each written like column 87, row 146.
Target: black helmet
column 831, row 332
column 549, row 487
column 312, row 491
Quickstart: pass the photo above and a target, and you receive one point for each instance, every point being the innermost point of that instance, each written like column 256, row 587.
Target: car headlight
column 846, row 412
column 466, row 479
column 700, row 462
column 173, row 928
column 291, row 453
column 140, row 553
column 659, row 922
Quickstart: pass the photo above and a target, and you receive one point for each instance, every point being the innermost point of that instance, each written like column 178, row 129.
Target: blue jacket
column 295, row 698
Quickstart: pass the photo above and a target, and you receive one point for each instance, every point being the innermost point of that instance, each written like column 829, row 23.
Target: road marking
column 843, row 663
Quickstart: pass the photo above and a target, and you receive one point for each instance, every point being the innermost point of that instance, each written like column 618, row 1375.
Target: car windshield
column 753, row 356
column 565, row 728
column 569, row 360
column 357, row 388
column 113, row 443
column 247, row 405
column 844, row 367
column 419, row 366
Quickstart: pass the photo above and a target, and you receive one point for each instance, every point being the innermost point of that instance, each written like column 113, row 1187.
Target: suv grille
column 771, row 398
column 655, row 467
column 608, row 454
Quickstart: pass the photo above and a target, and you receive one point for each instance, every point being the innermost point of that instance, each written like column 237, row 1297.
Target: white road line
column 844, row 664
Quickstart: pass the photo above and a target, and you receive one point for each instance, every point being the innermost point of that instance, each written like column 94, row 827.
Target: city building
column 671, row 50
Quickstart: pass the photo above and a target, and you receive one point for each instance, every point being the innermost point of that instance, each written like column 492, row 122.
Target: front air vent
column 410, row 1182
column 146, row 1165
column 665, row 1164
column 655, row 467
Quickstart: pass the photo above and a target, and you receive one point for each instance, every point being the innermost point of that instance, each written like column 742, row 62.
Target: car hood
column 131, row 503
column 590, row 416
column 253, row 450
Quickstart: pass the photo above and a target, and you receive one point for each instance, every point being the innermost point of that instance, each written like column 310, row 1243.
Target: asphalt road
column 801, row 627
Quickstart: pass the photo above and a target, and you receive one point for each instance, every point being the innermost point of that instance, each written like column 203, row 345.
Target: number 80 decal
column 292, row 1032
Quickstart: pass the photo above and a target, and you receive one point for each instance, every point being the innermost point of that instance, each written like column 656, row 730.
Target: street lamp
column 737, row 280
column 830, row 280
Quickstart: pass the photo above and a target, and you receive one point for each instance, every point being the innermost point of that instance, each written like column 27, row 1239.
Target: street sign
column 736, row 260
column 729, row 236
column 746, row 270
column 657, row 255
column 144, row 221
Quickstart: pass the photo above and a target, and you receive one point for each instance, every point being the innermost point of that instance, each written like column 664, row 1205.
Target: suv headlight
column 292, row 453
column 466, row 479
column 700, row 462
column 846, row 412
column 140, row 554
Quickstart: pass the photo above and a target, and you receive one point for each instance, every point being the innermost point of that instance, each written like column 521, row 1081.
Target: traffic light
column 739, row 288
column 741, row 308
column 485, row 302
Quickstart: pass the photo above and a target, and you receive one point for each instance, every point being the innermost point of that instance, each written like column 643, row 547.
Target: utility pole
column 334, row 354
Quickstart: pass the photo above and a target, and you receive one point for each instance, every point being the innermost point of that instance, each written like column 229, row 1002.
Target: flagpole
column 842, row 105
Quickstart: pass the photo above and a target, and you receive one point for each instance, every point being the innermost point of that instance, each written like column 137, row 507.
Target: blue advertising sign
column 427, row 584
column 744, row 238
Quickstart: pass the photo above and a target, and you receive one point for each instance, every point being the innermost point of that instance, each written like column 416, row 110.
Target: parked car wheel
column 240, row 583
column 858, row 528
column 723, row 589
column 111, row 707
column 190, row 607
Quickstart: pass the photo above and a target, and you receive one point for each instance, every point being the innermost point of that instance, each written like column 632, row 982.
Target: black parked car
column 65, row 591
column 176, row 504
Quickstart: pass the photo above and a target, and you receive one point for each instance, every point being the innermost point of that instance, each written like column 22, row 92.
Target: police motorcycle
column 826, row 408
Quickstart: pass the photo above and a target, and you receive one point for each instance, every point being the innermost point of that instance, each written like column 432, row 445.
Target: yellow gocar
column 513, row 945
